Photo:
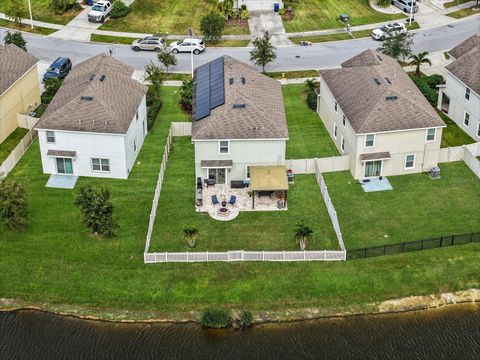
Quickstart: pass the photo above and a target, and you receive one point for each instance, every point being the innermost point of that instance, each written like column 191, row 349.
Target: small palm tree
column 303, row 234
column 311, row 84
column 419, row 59
column 190, row 234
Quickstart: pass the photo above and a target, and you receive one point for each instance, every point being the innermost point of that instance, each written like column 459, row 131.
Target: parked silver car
column 152, row 43
column 406, row 5
column 188, row 45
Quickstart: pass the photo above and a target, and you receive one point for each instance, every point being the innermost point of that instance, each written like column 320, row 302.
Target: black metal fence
column 425, row 244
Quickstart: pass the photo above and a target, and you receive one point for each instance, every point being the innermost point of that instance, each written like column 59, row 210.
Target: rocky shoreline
column 412, row 303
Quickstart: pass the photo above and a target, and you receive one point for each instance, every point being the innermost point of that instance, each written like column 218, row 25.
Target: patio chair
column 232, row 200
column 215, row 200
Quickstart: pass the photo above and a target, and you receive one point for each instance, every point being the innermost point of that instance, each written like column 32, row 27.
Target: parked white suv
column 100, row 11
column 389, row 30
column 188, row 45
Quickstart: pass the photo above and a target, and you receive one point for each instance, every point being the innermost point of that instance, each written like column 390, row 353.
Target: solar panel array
column 209, row 88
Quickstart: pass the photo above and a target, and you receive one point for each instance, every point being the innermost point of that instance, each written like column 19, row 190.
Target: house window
column 335, row 131
column 50, row 137
column 343, row 144
column 478, row 130
column 247, row 172
column 410, row 161
column 467, row 93
column 134, row 146
column 431, row 134
column 136, row 115
column 336, row 106
column 466, row 119
column 224, row 147
column 344, row 120
column 370, row 140
column 102, row 165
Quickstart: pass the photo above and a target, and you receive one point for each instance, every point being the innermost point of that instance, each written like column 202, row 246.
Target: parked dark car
column 58, row 69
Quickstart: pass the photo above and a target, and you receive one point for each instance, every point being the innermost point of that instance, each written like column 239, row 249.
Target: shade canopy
column 268, row 178
column 375, row 156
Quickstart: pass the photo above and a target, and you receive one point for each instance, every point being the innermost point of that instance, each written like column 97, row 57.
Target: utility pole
column 412, row 4
column 190, row 33
column 30, row 10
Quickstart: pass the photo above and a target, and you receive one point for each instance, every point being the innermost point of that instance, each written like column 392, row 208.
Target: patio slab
column 61, row 181
column 376, row 184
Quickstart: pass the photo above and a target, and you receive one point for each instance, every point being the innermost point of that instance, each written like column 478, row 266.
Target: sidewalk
column 35, row 22
column 78, row 29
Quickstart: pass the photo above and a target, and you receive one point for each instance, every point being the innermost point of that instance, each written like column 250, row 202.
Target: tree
column 97, row 210
column 155, row 76
column 225, row 8
column 61, row 6
column 119, row 10
column 263, row 52
column 167, row 58
column 190, row 234
column 51, row 87
column 398, row 46
column 419, row 59
column 15, row 38
column 13, row 205
column 186, row 95
column 212, row 26
column 311, row 84
column 303, row 234
column 16, row 10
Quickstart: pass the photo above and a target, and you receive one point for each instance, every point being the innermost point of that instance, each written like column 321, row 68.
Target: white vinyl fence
column 472, row 162
column 330, row 208
column 328, row 164
column 7, row 166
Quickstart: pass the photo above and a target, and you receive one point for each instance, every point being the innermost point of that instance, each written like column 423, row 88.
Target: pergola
column 268, row 178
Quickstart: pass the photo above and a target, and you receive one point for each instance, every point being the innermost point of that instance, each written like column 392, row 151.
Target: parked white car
column 389, row 30
column 188, row 45
column 100, row 11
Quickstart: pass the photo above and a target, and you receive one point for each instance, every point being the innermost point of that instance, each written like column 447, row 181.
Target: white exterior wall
column 397, row 143
column 118, row 148
column 455, row 89
column 242, row 153
column 257, row 5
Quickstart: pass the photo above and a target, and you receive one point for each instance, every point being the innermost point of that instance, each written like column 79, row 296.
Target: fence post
column 441, row 241
column 283, row 255
column 187, row 256
column 166, row 256
column 263, row 255
column 421, row 247
column 242, row 256
column 453, row 240
column 207, row 256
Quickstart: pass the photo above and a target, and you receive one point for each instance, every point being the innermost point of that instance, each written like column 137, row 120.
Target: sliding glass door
column 373, row 168
column 64, row 166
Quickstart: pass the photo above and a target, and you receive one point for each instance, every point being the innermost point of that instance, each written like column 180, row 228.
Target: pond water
column 448, row 333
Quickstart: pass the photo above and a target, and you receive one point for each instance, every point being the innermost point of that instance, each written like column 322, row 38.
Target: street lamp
column 412, row 4
column 30, row 10
column 190, row 33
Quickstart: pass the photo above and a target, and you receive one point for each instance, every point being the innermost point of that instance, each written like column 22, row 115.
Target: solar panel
column 202, row 92
column 217, row 91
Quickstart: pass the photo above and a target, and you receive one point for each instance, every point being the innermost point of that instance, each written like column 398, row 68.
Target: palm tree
column 191, row 235
column 303, row 234
column 419, row 59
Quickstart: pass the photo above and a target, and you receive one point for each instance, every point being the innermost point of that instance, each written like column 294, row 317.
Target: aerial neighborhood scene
column 172, row 167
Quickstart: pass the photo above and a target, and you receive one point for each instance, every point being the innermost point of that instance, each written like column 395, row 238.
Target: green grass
column 464, row 12
column 42, row 11
column 453, row 135
column 229, row 43
column 25, row 27
column 455, row 3
column 293, row 74
column 162, row 16
column 308, row 137
column 416, row 208
column 112, row 39
column 7, row 146
column 323, row 14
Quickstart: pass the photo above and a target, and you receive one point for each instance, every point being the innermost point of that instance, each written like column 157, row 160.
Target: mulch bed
column 237, row 22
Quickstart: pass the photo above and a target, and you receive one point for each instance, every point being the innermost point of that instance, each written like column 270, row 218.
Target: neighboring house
column 19, row 87
column 257, row 5
column 376, row 114
column 238, row 121
column 462, row 86
column 96, row 123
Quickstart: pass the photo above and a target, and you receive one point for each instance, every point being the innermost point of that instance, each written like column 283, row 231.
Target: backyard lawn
column 324, row 14
column 417, row 207
column 42, row 11
column 7, row 146
column 308, row 137
column 166, row 16
column 453, row 135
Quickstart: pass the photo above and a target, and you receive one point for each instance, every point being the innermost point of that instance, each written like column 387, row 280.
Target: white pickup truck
column 100, row 11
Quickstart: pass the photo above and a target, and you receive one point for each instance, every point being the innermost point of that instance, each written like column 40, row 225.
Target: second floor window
column 336, row 106
column 223, row 147
column 467, row 93
column 335, row 131
column 466, row 119
column 343, row 144
column 344, row 120
column 50, row 137
column 431, row 134
column 370, row 140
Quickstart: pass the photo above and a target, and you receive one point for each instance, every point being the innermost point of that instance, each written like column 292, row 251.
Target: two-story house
column 96, row 123
column 238, row 121
column 375, row 113
column 462, row 86
column 19, row 87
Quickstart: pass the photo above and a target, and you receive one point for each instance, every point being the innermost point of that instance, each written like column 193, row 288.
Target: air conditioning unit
column 435, row 173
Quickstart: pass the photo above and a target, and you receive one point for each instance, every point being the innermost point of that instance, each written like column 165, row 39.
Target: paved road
column 289, row 57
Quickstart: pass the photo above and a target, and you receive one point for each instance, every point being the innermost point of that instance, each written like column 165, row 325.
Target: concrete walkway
column 260, row 22
column 78, row 29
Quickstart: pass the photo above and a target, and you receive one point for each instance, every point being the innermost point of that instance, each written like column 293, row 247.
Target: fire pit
column 223, row 211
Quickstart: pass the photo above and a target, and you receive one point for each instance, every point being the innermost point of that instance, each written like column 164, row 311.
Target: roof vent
column 88, row 98
column 391, row 97
column 379, row 58
column 92, row 77
column 388, row 80
column 102, row 77
column 377, row 81
column 231, row 81
column 239, row 106
column 256, row 127
column 243, row 80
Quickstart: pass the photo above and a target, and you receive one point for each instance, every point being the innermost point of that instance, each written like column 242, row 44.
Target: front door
column 64, row 166
column 373, row 169
column 218, row 175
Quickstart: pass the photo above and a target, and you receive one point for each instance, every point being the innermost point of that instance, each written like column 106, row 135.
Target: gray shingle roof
column 466, row 67
column 86, row 103
column 263, row 116
column 14, row 63
column 391, row 102
column 465, row 46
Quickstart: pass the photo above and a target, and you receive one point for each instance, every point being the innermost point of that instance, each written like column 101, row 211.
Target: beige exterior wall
column 17, row 99
column 398, row 143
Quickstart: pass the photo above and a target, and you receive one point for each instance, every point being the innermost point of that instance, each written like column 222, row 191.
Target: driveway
column 78, row 29
column 261, row 21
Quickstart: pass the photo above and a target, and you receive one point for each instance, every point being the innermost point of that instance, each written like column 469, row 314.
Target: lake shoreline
column 407, row 304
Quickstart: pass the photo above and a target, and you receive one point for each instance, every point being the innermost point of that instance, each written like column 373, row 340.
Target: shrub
column 245, row 319
column 312, row 100
column 61, row 6
column 119, row 10
column 15, row 38
column 51, row 87
column 212, row 26
column 154, row 104
column 216, row 318
column 426, row 90
column 244, row 15
column 383, row 3
column 186, row 95
column 13, row 205
column 434, row 80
